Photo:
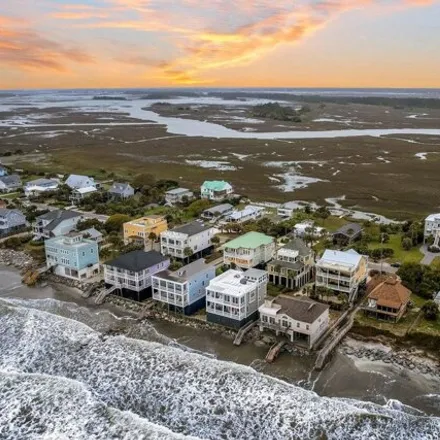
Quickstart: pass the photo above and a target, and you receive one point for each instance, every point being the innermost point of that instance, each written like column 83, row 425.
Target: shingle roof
column 4, row 212
column 219, row 209
column 298, row 245
column 12, row 180
column 300, row 309
column 120, row 188
column 297, row 265
column 56, row 217
column 192, row 228
column 77, row 181
column 177, row 191
column 92, row 232
column 41, row 182
column 137, row 261
column 390, row 293
column 251, row 240
column 185, row 272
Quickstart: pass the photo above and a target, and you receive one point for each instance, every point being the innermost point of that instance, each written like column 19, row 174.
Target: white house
column 35, row 187
column 75, row 181
column 287, row 209
column 341, row 271
column 250, row 212
column 184, row 290
column 79, row 194
column 178, row 195
column 233, row 298
column 216, row 190
column 195, row 236
column 217, row 212
column 121, row 191
column 131, row 273
column 249, row 250
column 308, row 228
column 432, row 228
column 300, row 319
column 55, row 223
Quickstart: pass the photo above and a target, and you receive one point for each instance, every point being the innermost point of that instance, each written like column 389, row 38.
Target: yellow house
column 141, row 228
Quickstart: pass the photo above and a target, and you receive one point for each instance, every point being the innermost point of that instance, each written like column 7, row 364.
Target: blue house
column 3, row 171
column 184, row 290
column 72, row 256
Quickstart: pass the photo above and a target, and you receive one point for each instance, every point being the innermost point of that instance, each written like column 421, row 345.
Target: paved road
column 428, row 256
column 384, row 267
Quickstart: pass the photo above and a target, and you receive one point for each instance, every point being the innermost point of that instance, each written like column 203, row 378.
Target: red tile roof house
column 387, row 299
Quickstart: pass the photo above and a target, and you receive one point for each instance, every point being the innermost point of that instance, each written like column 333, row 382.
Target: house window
column 284, row 323
column 298, row 324
column 264, row 318
column 272, row 320
column 307, row 327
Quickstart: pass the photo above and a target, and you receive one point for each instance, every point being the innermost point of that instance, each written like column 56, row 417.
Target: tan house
column 388, row 299
column 141, row 229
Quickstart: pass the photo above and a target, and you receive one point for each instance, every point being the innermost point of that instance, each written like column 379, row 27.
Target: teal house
column 216, row 190
column 72, row 256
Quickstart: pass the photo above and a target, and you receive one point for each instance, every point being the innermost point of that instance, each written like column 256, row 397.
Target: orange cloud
column 24, row 48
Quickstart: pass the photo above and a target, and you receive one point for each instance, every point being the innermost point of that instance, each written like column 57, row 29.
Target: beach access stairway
column 274, row 351
column 242, row 332
column 104, row 293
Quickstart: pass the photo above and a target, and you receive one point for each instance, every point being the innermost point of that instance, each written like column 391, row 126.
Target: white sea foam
column 212, row 165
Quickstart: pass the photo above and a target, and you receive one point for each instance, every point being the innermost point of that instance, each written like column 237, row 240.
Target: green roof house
column 216, row 190
column 249, row 250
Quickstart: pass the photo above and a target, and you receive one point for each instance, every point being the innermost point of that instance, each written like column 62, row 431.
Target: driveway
column 428, row 256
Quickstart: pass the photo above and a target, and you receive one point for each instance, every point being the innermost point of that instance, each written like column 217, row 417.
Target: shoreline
column 374, row 348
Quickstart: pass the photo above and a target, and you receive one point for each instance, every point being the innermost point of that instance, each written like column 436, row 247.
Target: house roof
column 120, row 188
column 297, row 265
column 219, row 209
column 347, row 258
column 298, row 245
column 192, row 228
column 78, row 181
column 300, row 309
column 176, row 191
column 86, row 190
column 216, row 185
column 12, row 180
column 185, row 272
column 94, row 233
column 137, row 261
column 349, row 230
column 433, row 217
column 42, row 182
column 56, row 217
column 251, row 240
column 6, row 213
column 390, row 293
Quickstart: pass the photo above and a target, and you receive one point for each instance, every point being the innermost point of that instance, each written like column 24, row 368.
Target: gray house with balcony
column 55, row 223
column 11, row 221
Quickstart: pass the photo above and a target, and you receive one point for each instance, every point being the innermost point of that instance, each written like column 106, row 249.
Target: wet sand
column 344, row 376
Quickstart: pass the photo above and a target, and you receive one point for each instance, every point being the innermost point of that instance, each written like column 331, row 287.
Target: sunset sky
column 270, row 43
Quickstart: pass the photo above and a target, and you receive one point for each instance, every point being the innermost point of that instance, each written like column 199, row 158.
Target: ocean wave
column 186, row 392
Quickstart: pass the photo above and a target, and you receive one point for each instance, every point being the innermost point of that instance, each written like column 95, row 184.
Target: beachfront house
column 184, row 290
column 233, row 298
column 387, row 299
column 121, row 191
column 10, row 183
column 347, row 234
column 145, row 229
column 249, row 250
column 38, row 186
column 216, row 190
column 131, row 273
column 192, row 239
column 301, row 319
column 72, row 256
column 11, row 221
column 93, row 234
column 341, row 271
column 178, row 195
column 55, row 223
column 217, row 212
column 249, row 213
column 432, row 228
column 292, row 266
column 75, row 181
column 287, row 209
